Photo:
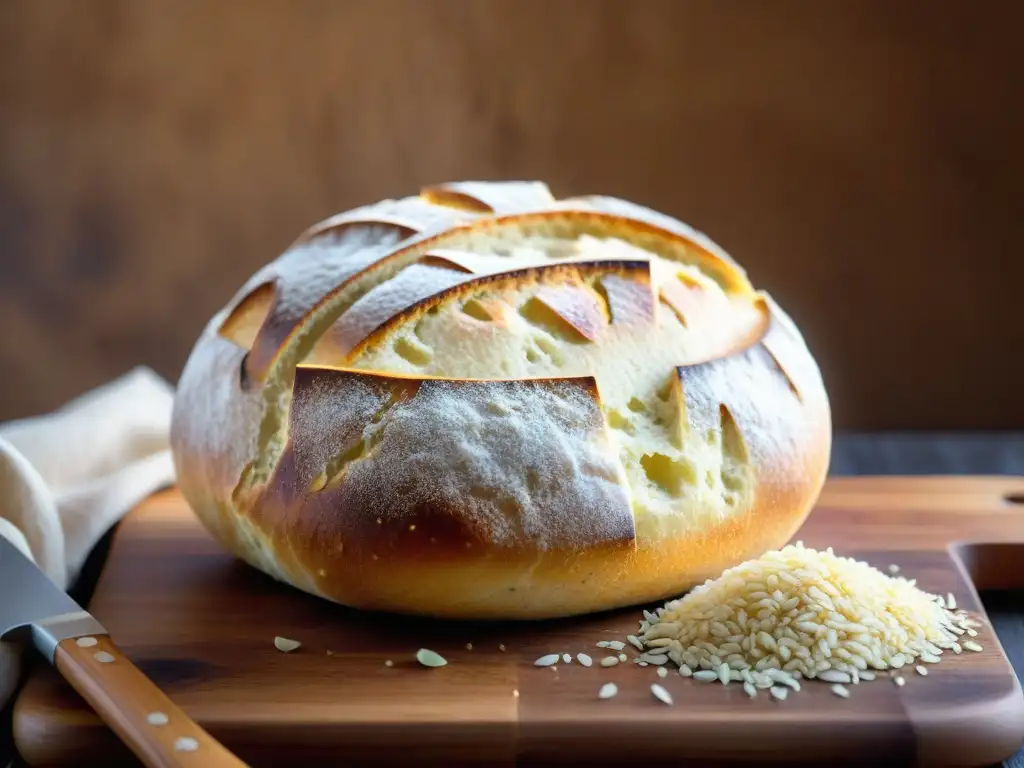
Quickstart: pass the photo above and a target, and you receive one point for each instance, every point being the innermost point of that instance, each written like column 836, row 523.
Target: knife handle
column 147, row 721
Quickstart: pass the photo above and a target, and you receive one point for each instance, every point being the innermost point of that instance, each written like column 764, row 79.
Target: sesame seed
column 103, row 657
column 661, row 694
column 609, row 661
column 547, row 660
column 186, row 744
column 841, row 691
column 567, row 658
column 970, row 645
column 584, row 659
column 894, row 569
column 86, row 642
column 515, row 693
column 899, row 680
column 157, row 719
column 623, row 657
column 469, row 646
column 389, row 663
column 607, row 691
column 429, row 658
column 921, row 670
column 501, row 647
column 285, row 644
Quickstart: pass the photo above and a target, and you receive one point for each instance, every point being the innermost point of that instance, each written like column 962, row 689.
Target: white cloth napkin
column 66, row 477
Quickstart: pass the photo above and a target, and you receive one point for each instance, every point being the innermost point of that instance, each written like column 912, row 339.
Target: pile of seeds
column 799, row 613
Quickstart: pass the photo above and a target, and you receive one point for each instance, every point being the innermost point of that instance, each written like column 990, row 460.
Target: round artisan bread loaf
column 483, row 402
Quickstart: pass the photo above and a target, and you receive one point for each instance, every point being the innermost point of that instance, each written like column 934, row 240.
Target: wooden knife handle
column 156, row 730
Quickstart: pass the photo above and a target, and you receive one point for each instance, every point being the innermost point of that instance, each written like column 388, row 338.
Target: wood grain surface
column 143, row 717
column 861, row 158
column 202, row 626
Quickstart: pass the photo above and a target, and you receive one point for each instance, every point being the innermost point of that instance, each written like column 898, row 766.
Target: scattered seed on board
column 515, row 692
column 286, row 645
column 501, row 647
column 607, row 691
column 635, row 642
column 662, row 672
column 642, row 663
column 602, row 643
column 921, row 670
column 616, row 645
column 971, row 632
column 867, row 675
column 547, row 660
column 623, row 657
column 894, row 569
column 186, row 744
column 970, row 645
column 584, row 659
column 840, row 690
column 389, row 663
column 567, row 658
column 661, row 694
column 705, row 675
column 609, row 661
column 103, row 657
column 779, row 693
column 86, row 642
column 429, row 658
column 157, row 718
column 469, row 646
column 899, row 680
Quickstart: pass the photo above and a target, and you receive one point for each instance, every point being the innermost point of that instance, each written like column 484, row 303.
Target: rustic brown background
column 862, row 159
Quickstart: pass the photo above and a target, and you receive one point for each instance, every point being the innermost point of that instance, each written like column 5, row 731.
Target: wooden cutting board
column 202, row 626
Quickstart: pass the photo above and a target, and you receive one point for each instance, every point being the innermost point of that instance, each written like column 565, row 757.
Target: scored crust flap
column 388, row 466
column 749, row 405
column 491, row 197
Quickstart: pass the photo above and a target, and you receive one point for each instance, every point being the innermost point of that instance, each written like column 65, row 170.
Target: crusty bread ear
column 485, row 402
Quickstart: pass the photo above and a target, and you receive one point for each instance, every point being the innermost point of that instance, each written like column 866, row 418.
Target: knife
column 35, row 610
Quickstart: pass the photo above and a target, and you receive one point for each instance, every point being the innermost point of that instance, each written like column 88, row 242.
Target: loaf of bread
column 485, row 402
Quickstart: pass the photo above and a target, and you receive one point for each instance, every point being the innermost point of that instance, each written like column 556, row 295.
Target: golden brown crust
column 487, row 497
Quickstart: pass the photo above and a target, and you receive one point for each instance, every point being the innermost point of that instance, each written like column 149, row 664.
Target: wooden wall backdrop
column 862, row 159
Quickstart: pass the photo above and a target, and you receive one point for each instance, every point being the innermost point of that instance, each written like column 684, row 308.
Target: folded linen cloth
column 66, row 477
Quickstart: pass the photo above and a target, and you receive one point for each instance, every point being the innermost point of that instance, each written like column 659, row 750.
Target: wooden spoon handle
column 156, row 730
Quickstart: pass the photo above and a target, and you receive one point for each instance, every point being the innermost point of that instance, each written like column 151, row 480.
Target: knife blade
column 36, row 611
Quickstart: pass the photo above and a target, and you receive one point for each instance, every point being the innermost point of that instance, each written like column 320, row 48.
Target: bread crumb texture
column 546, row 375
